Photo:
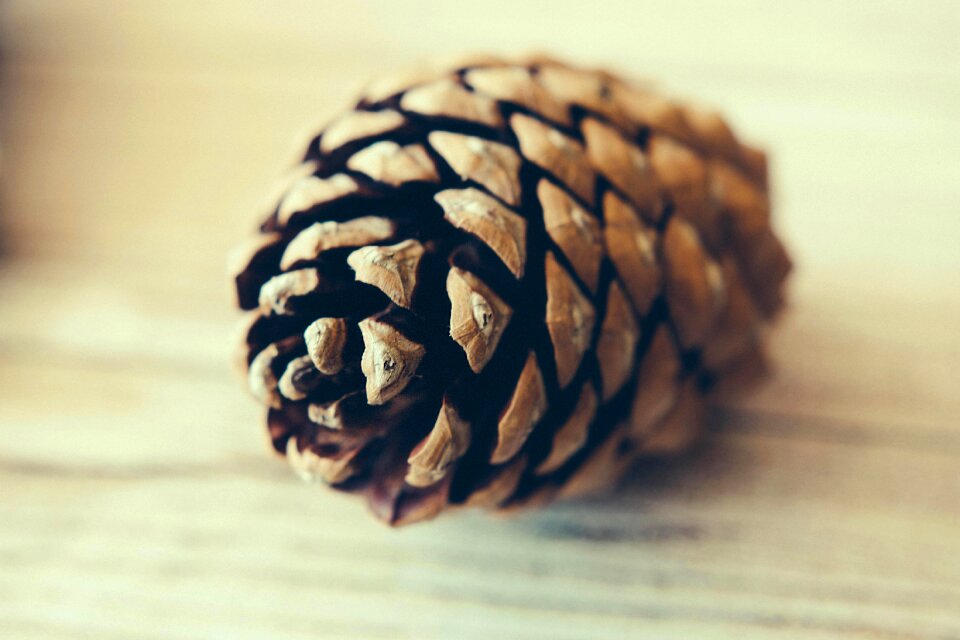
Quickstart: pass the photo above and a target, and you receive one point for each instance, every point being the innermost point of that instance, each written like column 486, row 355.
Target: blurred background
column 137, row 501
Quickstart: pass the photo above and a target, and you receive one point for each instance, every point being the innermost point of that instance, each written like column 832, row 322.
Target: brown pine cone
column 492, row 283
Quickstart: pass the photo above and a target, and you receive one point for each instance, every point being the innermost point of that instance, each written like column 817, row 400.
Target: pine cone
column 493, row 283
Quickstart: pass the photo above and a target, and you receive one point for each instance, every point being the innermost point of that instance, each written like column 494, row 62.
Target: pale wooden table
column 136, row 500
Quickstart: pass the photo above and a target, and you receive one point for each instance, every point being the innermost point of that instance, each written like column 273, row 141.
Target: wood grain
column 136, row 498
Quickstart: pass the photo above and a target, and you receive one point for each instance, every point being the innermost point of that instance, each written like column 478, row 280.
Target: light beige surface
column 136, row 500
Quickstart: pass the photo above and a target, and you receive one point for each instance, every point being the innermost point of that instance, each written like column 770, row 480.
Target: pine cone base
column 493, row 283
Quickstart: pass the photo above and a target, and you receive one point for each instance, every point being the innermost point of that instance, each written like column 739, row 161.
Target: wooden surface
column 136, row 498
